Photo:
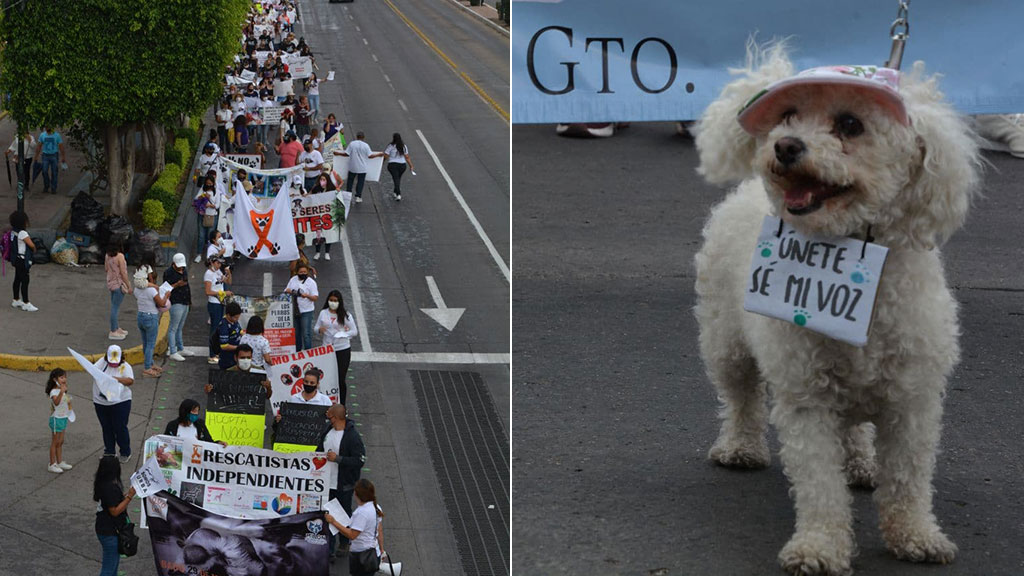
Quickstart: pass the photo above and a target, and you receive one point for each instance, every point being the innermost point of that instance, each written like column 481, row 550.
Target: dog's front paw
column 735, row 454
column 817, row 553
column 860, row 472
column 927, row 546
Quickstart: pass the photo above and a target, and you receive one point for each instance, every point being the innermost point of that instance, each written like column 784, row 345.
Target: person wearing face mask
column 224, row 117
column 344, row 445
column 337, row 327
column 244, row 363
column 213, row 281
column 112, row 413
column 304, row 289
column 262, row 127
column 229, row 333
column 312, row 163
column 181, row 302
column 255, row 339
column 206, row 203
column 189, row 424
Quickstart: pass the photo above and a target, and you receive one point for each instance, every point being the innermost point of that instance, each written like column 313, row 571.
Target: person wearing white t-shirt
column 336, row 327
column 60, row 410
column 362, row 530
column 213, row 284
column 312, row 162
column 359, row 154
column 22, row 262
column 224, row 117
column 209, row 196
column 304, row 289
column 30, row 153
column 115, row 404
column 397, row 154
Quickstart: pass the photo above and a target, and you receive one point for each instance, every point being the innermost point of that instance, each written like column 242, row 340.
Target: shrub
column 186, row 151
column 172, row 156
column 165, row 188
column 153, row 214
column 189, row 134
column 195, row 121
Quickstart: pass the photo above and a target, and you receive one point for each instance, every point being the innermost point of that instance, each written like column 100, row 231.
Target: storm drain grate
column 469, row 450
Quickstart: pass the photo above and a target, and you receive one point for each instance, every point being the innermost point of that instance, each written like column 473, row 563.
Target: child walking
column 60, row 409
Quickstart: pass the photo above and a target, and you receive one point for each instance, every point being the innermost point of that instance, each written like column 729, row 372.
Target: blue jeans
column 114, row 424
column 304, row 334
column 314, row 104
column 148, row 324
column 116, row 297
column 50, row 164
column 361, row 177
column 216, row 312
column 203, row 234
column 174, row 341
column 111, row 559
column 261, row 133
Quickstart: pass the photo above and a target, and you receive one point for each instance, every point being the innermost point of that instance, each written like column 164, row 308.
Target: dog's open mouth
column 804, row 194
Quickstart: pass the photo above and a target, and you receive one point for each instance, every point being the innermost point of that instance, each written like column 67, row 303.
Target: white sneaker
column 316, row 256
column 359, row 199
column 55, row 469
column 65, row 466
column 115, row 336
column 398, row 197
column 29, row 307
column 198, row 258
column 186, row 352
column 177, row 356
column 213, row 361
column 17, row 304
column 327, row 256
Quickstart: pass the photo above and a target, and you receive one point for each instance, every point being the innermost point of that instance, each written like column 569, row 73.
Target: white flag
column 266, row 235
column 108, row 386
column 148, row 479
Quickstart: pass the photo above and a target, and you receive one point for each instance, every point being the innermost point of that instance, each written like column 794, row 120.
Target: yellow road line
column 469, row 81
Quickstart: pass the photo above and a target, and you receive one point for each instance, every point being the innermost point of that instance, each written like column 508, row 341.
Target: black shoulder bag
column 127, row 541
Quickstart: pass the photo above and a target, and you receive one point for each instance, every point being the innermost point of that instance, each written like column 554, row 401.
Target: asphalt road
column 613, row 413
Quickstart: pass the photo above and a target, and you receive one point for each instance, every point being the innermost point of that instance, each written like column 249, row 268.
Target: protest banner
column 373, row 168
column 271, row 115
column 300, row 427
column 266, row 183
column 336, row 142
column 317, row 213
column 300, row 67
column 250, row 161
column 286, row 374
column 340, row 165
column 822, row 284
column 236, row 407
column 241, row 481
column 276, row 312
column 194, row 541
column 247, row 76
column 592, row 61
column 282, row 88
column 265, row 234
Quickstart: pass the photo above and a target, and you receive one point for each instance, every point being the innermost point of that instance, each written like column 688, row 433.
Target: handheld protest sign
column 300, row 427
column 827, row 285
column 236, row 407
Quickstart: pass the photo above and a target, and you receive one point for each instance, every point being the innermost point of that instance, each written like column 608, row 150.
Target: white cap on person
column 179, row 260
column 114, row 354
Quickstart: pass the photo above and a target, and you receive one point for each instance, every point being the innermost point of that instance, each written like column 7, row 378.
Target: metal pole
column 22, row 177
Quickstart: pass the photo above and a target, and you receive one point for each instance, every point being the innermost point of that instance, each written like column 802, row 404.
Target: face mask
column 309, row 389
column 244, row 364
column 333, row 305
column 303, row 277
column 193, row 418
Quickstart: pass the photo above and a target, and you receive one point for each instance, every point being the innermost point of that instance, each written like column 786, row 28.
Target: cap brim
column 765, row 112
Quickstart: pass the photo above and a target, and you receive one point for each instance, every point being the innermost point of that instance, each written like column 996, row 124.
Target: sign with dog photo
column 822, row 284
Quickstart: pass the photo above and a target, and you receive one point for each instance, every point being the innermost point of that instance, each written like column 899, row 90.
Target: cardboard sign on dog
column 822, row 284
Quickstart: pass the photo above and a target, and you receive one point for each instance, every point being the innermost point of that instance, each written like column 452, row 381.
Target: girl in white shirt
column 260, row 345
column 23, row 243
column 213, row 282
column 150, row 301
column 337, row 327
column 60, row 409
column 397, row 154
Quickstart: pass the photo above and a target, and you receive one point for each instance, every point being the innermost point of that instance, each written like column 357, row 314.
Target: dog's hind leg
column 859, row 446
column 907, row 438
column 741, row 441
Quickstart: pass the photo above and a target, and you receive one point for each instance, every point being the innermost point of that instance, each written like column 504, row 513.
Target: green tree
column 119, row 66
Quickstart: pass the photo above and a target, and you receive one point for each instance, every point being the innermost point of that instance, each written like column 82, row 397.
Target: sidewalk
column 485, row 12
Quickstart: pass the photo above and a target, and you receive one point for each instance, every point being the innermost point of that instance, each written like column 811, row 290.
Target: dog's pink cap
column 762, row 112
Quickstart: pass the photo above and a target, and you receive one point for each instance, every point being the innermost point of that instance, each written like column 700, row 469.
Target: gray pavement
column 46, row 520
column 614, row 416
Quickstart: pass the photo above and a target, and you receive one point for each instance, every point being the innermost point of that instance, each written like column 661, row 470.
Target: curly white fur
column 832, row 403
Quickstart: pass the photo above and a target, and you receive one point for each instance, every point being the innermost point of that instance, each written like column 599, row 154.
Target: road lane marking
column 441, row 313
column 365, row 42
column 476, row 88
column 462, row 202
column 402, row 104
column 268, row 284
column 357, row 299
column 374, row 57
column 386, row 79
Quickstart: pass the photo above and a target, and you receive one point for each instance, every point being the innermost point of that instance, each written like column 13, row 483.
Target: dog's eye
column 848, row 126
column 789, row 113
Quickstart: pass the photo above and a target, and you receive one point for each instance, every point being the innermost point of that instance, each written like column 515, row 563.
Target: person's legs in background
column 202, row 234
column 116, row 297
column 216, row 312
column 148, row 324
column 121, row 412
column 396, row 171
column 306, row 323
column 174, row 341
column 105, row 414
column 50, row 173
column 360, row 180
column 344, row 358
column 314, row 105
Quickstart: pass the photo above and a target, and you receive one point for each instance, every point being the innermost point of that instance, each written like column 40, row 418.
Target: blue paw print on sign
column 800, row 317
column 765, row 248
column 861, row 275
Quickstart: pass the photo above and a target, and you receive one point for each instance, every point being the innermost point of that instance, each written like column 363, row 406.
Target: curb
column 484, row 19
column 46, row 363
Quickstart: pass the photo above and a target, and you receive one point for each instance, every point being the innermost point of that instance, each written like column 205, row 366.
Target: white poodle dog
column 841, row 160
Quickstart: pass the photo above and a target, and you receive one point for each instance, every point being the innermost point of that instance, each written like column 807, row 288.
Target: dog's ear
column 726, row 150
column 950, row 172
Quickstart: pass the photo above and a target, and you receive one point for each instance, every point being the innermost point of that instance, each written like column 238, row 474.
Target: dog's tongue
column 800, row 196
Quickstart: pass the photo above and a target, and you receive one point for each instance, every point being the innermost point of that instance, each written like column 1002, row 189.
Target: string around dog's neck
column 868, row 238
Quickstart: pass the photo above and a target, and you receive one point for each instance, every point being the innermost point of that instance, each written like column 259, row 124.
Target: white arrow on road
column 445, row 316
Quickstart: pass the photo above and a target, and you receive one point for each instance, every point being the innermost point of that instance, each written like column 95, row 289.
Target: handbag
column 127, row 541
column 369, row 560
column 208, row 220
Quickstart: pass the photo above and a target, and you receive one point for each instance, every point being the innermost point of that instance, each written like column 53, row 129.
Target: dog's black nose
column 788, row 150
